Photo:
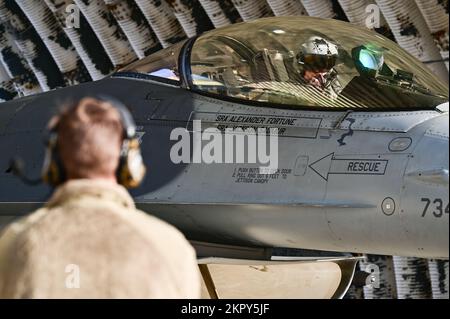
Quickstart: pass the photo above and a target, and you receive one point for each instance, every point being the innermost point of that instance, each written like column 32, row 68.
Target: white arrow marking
column 328, row 165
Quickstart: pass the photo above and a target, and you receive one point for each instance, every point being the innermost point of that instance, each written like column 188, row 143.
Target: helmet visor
column 319, row 63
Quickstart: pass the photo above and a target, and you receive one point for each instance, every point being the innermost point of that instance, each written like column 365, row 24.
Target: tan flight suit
column 89, row 241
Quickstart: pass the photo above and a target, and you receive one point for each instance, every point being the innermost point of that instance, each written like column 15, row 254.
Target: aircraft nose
column 425, row 198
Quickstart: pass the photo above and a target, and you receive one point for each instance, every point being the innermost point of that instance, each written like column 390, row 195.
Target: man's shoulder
column 12, row 232
column 155, row 228
column 22, row 224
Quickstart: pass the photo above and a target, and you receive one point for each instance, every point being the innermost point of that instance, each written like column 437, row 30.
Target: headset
column 131, row 169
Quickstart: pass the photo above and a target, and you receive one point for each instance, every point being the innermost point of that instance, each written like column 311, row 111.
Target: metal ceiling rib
column 435, row 13
column 191, row 16
column 163, row 21
column 252, row 9
column 83, row 39
column 319, row 8
column 16, row 67
column 221, row 13
column 107, row 31
column 135, row 26
column 30, row 46
column 287, row 7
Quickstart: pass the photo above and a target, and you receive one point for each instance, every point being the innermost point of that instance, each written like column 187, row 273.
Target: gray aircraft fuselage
column 368, row 182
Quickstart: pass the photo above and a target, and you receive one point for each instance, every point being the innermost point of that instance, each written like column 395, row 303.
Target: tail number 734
column 435, row 206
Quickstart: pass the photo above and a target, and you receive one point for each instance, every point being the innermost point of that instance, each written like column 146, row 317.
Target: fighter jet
column 360, row 132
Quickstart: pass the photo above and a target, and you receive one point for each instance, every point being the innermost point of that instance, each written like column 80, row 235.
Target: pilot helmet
column 318, row 54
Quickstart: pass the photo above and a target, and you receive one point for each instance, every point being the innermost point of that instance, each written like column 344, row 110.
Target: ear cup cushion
column 52, row 170
column 53, row 174
column 135, row 164
column 131, row 170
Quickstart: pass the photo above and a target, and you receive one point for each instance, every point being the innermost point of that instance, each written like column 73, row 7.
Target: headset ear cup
column 52, row 173
column 131, row 170
column 46, row 166
column 54, row 177
column 52, row 170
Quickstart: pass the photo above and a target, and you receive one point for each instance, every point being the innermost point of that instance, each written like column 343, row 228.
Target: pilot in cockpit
column 316, row 59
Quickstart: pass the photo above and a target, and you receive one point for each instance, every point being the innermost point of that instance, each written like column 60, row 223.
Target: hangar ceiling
column 44, row 46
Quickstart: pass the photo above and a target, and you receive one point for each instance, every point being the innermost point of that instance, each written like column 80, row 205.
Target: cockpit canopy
column 303, row 62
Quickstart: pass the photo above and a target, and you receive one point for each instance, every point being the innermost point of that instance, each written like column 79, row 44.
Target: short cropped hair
column 90, row 134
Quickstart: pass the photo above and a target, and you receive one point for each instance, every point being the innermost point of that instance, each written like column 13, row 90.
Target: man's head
column 316, row 57
column 90, row 136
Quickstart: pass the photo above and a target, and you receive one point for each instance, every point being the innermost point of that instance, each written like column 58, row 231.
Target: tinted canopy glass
column 307, row 62
column 162, row 65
